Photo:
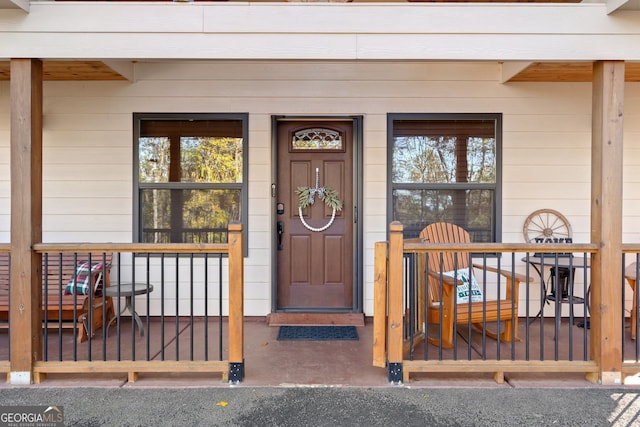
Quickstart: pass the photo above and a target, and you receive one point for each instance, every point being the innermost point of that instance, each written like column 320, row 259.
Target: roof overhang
column 614, row 5
column 533, row 41
column 563, row 72
column 511, row 72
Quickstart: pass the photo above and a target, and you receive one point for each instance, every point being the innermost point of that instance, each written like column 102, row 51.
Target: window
column 446, row 167
column 190, row 178
column 317, row 139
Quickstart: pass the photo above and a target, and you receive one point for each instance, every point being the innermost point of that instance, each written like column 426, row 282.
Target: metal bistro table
column 562, row 269
column 128, row 291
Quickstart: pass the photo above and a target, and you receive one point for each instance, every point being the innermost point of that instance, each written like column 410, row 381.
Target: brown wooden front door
column 314, row 254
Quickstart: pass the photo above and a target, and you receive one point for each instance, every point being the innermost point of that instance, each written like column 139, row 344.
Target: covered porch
column 203, row 28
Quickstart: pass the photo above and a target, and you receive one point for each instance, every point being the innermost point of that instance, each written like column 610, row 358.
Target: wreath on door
column 330, row 197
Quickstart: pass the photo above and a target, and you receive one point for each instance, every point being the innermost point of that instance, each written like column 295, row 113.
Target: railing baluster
column 89, row 313
column 148, row 300
column 133, row 308
column 177, row 315
column 220, row 317
column 427, row 307
column 206, row 306
column 104, row 306
column 191, row 289
column 117, row 306
column 527, row 320
column 162, row 305
column 136, row 263
column 501, row 259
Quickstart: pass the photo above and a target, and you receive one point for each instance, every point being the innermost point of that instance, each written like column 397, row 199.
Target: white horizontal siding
column 311, row 70
column 88, row 143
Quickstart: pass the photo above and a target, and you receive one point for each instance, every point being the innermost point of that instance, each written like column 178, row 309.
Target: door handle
column 280, row 228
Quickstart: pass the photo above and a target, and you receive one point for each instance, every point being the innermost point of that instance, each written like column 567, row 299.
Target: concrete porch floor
column 273, row 363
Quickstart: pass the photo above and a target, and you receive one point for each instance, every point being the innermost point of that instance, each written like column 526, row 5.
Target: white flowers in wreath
column 330, row 197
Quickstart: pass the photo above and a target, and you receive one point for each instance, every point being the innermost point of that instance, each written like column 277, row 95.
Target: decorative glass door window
column 318, row 139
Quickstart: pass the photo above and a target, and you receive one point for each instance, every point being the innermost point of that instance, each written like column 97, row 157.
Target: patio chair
column 630, row 275
column 448, row 271
column 60, row 306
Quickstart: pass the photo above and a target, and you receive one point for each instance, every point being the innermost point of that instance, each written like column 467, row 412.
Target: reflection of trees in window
column 445, row 159
column 190, row 179
column 154, row 159
column 424, row 159
column 206, row 159
column 445, row 170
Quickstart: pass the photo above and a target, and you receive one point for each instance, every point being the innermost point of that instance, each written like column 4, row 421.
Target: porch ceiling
column 568, row 72
column 70, row 70
column 535, row 72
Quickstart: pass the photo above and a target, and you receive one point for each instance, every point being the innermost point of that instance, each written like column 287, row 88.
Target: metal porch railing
column 186, row 314
column 548, row 337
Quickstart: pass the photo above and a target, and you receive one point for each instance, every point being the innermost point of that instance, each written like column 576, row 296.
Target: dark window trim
column 243, row 186
column 392, row 117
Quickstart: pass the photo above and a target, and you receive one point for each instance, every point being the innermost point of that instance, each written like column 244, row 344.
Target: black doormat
column 318, row 333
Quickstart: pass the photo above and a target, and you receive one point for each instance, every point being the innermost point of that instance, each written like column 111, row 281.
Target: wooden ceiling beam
column 75, row 70
column 568, row 72
column 511, row 71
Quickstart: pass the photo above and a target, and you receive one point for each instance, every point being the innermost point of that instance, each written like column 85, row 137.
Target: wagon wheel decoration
column 306, row 197
column 546, row 224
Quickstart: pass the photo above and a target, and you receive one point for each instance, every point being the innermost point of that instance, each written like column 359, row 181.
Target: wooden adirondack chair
column 442, row 305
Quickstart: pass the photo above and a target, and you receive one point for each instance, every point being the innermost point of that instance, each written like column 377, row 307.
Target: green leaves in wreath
column 328, row 195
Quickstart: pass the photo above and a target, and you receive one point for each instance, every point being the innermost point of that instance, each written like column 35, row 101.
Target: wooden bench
column 59, row 309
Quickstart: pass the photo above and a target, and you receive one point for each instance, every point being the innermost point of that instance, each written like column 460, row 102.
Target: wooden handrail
column 133, row 247
column 630, row 247
column 233, row 367
column 389, row 262
column 411, row 246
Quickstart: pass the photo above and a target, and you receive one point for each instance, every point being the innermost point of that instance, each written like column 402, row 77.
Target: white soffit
column 15, row 4
column 614, row 5
column 511, row 69
column 124, row 68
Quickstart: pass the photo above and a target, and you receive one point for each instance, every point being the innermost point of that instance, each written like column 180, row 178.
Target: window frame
column 496, row 220
column 138, row 186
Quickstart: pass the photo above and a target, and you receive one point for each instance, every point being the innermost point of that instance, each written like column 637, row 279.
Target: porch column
column 606, row 220
column 26, row 217
column 236, row 303
column 395, row 311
